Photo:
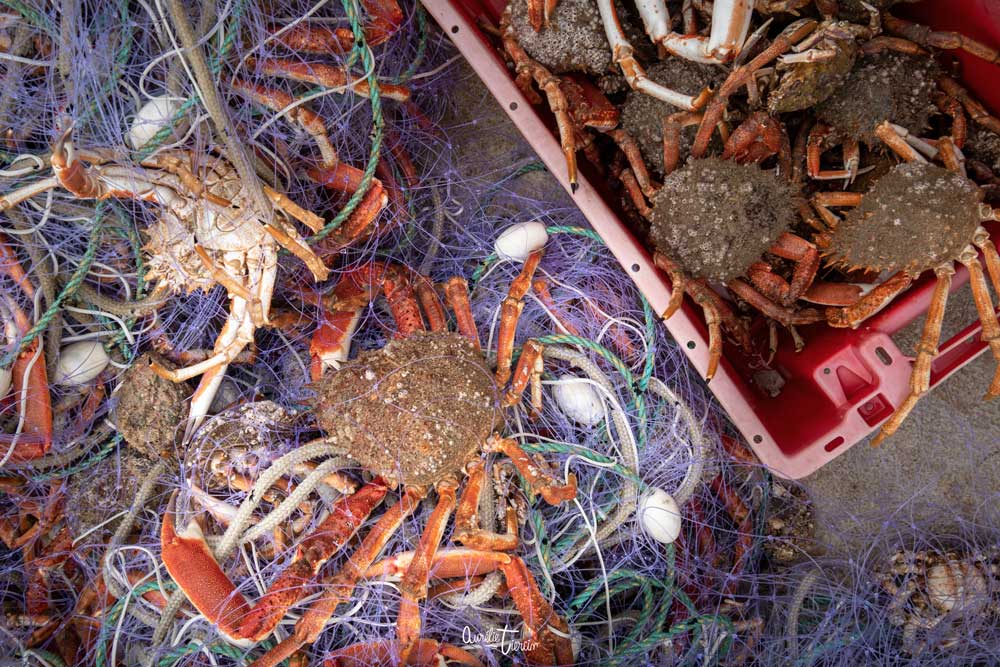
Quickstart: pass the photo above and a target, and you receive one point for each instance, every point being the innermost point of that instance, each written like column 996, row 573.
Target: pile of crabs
column 800, row 161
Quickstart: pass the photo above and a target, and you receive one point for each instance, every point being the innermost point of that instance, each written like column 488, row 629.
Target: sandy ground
column 939, row 472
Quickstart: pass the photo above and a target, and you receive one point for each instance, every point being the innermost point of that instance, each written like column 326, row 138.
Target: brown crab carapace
column 713, row 220
column 917, row 217
column 422, row 413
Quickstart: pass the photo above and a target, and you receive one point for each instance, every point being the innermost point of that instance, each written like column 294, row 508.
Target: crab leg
column 389, row 653
column 456, row 291
column 325, row 75
column 527, row 69
column 924, row 36
column 193, row 567
column 730, row 25
column 672, row 126
column 987, row 313
column 431, row 305
column 815, row 145
column 468, row 530
column 282, row 102
column 510, row 312
column 539, row 480
column 888, row 134
column 621, row 51
column 785, row 315
column 338, row 588
column 413, row 587
column 878, row 298
column 342, row 177
column 976, row 110
column 546, row 632
column 14, row 198
column 29, row 379
column 927, row 349
column 677, row 283
column 806, row 258
column 794, row 33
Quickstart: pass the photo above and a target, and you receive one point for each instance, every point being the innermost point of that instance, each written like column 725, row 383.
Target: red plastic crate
column 845, row 382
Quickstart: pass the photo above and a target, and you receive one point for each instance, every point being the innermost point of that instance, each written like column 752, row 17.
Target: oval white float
column 4, row 381
column 152, row 117
column 79, row 363
column 578, row 400
column 660, row 516
column 520, row 240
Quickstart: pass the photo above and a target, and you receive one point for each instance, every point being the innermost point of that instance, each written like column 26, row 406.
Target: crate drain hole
column 883, row 356
column 833, row 444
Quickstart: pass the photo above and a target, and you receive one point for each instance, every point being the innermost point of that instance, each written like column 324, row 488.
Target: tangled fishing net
column 83, row 577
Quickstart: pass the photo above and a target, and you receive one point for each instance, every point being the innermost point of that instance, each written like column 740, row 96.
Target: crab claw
column 193, row 567
column 72, row 174
column 331, row 342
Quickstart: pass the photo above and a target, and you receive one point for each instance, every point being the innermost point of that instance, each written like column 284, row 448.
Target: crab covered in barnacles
column 918, row 217
column 712, row 221
column 644, row 117
column 557, row 60
column 934, row 590
column 423, row 413
column 888, row 86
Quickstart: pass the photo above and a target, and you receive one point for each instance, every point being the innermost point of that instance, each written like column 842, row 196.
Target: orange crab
column 427, row 430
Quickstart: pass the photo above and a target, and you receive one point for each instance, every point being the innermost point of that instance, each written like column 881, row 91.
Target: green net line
column 113, row 615
column 418, row 57
column 378, row 124
column 84, row 464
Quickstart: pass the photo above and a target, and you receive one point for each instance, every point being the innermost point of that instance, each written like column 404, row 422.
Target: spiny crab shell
column 414, row 411
column 216, row 227
column 716, row 218
column 803, row 85
column 916, row 217
column 574, row 41
column 888, row 86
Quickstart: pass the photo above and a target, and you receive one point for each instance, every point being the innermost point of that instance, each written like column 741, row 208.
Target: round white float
column 660, row 516
column 79, row 363
column 153, row 117
column 520, row 240
column 578, row 400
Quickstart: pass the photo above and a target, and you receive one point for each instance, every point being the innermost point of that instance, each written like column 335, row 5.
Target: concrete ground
column 942, row 468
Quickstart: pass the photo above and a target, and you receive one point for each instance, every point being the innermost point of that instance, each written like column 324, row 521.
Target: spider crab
column 713, row 219
column 422, row 414
column 931, row 588
column 209, row 232
column 917, row 217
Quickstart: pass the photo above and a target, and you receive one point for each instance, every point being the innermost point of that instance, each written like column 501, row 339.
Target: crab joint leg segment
column 543, row 627
column 338, row 589
column 635, row 75
column 539, row 479
column 193, row 566
column 510, row 311
column 927, row 349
